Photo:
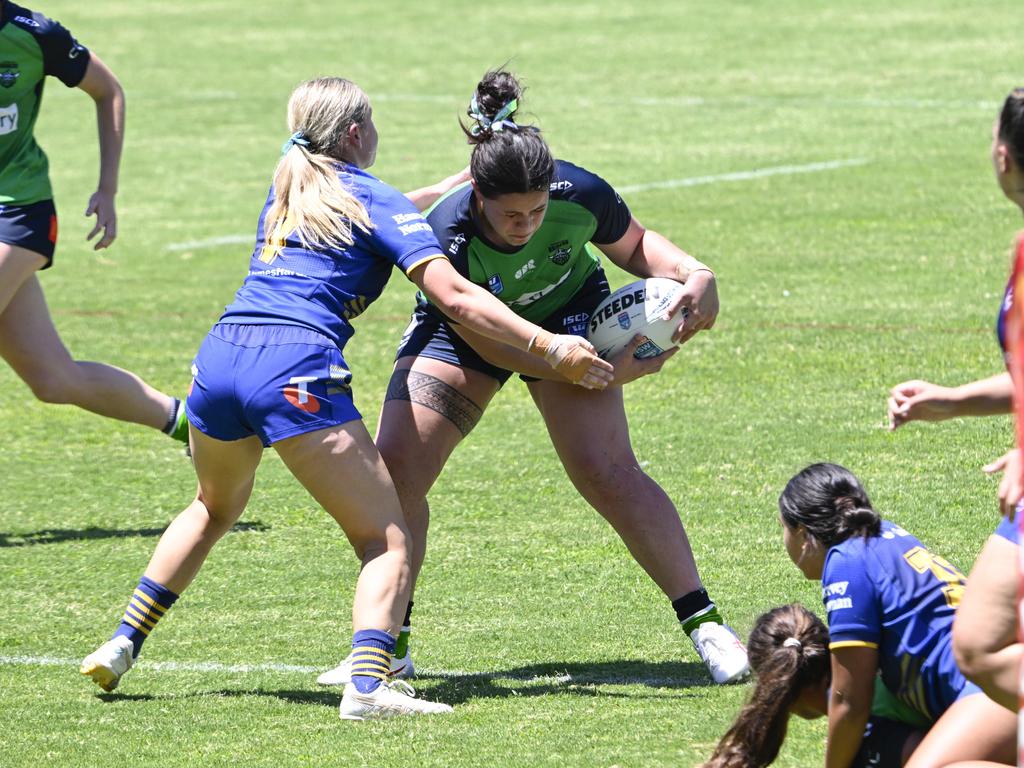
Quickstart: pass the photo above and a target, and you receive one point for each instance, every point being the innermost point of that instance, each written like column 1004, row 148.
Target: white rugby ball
column 637, row 308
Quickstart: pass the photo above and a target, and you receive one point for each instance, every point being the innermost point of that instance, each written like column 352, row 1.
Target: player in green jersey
column 525, row 228
column 32, row 47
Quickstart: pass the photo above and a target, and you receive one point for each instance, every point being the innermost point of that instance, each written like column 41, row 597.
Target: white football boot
column 722, row 652
column 109, row 662
column 342, row 674
column 389, row 699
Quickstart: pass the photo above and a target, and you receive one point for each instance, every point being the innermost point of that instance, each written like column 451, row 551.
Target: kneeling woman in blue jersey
column 789, row 654
column 890, row 605
column 271, row 372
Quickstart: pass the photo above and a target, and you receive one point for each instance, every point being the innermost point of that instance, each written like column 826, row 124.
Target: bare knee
column 971, row 654
column 413, row 472
column 51, row 387
column 392, row 540
column 608, row 480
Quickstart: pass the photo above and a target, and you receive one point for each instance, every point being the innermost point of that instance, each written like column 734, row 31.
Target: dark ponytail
column 507, row 158
column 829, row 501
column 1011, row 125
column 788, row 651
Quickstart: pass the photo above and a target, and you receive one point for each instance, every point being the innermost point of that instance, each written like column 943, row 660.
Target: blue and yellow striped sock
column 149, row 603
column 371, row 658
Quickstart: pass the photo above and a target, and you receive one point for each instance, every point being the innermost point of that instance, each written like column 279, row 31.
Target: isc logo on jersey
column 8, row 119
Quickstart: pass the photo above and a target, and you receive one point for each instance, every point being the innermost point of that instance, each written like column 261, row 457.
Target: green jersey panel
column 546, row 272
column 540, row 277
column 31, row 47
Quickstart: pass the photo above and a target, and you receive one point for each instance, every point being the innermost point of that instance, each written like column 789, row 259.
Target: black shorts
column 429, row 333
column 33, row 227
column 882, row 745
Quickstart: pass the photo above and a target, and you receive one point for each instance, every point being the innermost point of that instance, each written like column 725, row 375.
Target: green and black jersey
column 535, row 279
column 31, row 47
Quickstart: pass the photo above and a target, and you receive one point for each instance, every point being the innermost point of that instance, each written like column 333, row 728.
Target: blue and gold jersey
column 541, row 276
column 889, row 592
column 325, row 288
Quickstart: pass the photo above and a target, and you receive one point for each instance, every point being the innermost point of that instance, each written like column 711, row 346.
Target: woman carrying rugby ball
column 523, row 228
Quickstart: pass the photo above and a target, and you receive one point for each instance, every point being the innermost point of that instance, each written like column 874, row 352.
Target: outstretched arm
column 470, row 305
column 645, row 253
column 923, row 401
column 101, row 84
column 424, row 197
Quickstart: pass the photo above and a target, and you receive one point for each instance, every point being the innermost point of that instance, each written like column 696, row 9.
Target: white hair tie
column 792, row 642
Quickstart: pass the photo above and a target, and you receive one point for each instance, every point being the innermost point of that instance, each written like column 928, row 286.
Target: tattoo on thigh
column 430, row 392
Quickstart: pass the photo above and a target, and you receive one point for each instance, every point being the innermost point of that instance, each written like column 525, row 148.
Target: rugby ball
column 637, row 308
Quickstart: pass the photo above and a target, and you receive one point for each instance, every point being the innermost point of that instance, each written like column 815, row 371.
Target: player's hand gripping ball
column 639, row 307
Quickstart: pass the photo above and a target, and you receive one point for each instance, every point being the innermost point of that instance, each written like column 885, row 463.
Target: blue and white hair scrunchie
column 296, row 138
column 497, row 123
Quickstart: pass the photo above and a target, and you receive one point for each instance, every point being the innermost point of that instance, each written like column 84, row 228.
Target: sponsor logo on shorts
column 8, row 119
column 494, row 284
column 298, row 394
column 26, row 21
column 9, row 73
column 576, row 324
column 76, row 49
column 624, row 321
column 560, row 252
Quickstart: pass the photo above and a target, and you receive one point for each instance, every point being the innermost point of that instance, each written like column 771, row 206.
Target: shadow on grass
column 58, row 535
column 590, row 680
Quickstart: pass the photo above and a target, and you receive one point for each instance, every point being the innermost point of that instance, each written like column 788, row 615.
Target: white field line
column 693, row 181
column 759, row 173
column 865, row 102
column 210, row 242
column 275, row 667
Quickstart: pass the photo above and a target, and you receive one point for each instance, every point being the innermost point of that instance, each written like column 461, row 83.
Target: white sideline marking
column 759, row 173
column 693, row 181
column 211, row 241
column 868, row 102
column 452, row 674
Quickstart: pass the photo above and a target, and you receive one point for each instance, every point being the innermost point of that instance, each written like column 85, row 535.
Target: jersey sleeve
column 851, row 601
column 450, row 224
column 400, row 233
column 63, row 56
column 597, row 196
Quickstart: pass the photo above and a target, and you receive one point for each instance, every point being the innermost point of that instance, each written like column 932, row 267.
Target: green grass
column 558, row 651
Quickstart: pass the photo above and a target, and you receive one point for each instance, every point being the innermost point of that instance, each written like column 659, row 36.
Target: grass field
column 836, row 283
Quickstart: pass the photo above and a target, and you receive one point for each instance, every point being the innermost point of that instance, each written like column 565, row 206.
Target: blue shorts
column 32, row 226
column 429, row 333
column 272, row 381
column 1008, row 530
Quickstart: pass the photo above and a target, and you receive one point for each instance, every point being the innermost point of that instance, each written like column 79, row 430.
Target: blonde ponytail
column 309, row 198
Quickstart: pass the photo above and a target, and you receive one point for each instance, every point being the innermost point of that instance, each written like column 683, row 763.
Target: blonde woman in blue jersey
column 32, row 47
column 271, row 373
column 525, row 228
column 985, row 633
column 890, row 604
